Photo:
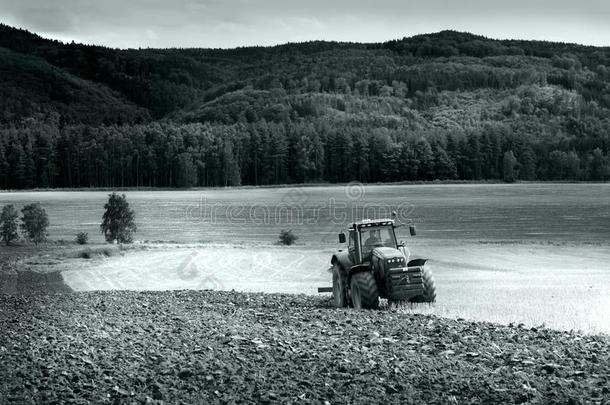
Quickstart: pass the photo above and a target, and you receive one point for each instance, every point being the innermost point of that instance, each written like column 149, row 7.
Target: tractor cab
column 366, row 235
column 375, row 266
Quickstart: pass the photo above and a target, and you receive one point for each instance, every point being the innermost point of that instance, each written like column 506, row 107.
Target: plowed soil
column 228, row 347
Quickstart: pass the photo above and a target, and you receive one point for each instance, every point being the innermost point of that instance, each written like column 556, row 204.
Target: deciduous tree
column 8, row 224
column 34, row 223
column 118, row 221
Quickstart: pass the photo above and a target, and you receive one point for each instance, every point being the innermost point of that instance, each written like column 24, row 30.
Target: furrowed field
column 530, row 253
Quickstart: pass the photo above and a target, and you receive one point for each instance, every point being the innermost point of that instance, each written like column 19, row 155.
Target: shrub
column 85, row 254
column 8, row 224
column 88, row 253
column 287, row 237
column 118, row 222
column 34, row 223
column 82, row 238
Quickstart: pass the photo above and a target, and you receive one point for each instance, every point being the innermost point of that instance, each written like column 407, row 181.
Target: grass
column 90, row 252
column 484, row 212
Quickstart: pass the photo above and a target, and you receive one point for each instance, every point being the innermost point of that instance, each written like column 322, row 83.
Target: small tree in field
column 287, row 237
column 8, row 224
column 82, row 238
column 34, row 223
column 118, row 222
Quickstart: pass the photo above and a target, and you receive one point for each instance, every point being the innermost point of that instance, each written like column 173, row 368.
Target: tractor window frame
column 368, row 228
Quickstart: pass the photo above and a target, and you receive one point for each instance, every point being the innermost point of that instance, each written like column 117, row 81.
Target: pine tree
column 230, row 167
column 318, row 156
column 29, row 165
column 557, row 165
column 279, row 151
column 527, row 159
column 572, row 165
column 509, row 165
column 361, row 157
column 3, row 168
column 598, row 165
column 444, row 167
column 186, row 175
column 474, row 156
column 303, row 164
column 423, row 153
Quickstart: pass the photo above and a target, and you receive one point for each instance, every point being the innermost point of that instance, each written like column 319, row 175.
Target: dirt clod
column 217, row 347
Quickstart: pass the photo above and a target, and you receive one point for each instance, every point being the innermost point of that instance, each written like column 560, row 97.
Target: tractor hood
column 387, row 253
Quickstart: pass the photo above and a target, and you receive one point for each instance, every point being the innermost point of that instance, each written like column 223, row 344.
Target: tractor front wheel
column 429, row 294
column 339, row 296
column 363, row 290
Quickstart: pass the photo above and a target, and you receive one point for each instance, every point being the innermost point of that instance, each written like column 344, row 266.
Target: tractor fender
column 342, row 258
column 416, row 262
column 359, row 268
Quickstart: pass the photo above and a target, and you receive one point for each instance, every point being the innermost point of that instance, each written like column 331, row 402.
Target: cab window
column 377, row 236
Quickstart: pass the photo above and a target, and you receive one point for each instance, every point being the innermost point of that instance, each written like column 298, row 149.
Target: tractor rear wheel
column 429, row 294
column 364, row 291
column 339, row 296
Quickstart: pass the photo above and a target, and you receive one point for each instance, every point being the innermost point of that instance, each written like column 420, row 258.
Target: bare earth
column 562, row 286
column 222, row 347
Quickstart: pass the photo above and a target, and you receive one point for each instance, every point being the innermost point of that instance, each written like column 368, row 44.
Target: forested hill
column 448, row 105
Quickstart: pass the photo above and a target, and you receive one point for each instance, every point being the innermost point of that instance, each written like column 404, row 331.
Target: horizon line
column 48, row 37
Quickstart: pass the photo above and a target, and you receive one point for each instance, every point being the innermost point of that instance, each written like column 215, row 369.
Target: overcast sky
column 231, row 23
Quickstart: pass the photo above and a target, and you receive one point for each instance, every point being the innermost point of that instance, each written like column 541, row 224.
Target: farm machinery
column 375, row 265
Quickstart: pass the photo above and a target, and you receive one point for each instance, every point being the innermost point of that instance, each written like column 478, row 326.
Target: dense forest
column 441, row 106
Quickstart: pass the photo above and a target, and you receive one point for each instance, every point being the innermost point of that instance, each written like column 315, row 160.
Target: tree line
column 262, row 153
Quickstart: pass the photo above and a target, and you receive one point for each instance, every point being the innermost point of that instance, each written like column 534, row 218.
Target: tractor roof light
column 369, row 223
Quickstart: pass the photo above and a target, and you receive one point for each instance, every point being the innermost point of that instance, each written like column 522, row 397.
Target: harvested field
column 530, row 212
column 564, row 287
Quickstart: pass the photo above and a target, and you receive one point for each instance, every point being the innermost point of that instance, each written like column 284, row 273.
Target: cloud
column 230, row 23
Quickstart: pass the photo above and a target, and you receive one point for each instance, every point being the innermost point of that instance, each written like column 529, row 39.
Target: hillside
column 448, row 105
column 30, row 86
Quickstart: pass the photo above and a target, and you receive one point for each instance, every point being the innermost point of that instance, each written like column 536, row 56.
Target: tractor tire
column 339, row 295
column 429, row 294
column 363, row 289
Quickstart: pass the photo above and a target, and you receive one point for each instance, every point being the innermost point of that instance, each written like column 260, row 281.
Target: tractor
column 376, row 266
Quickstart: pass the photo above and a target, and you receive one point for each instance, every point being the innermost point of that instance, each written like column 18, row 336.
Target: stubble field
column 536, row 212
column 525, row 253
